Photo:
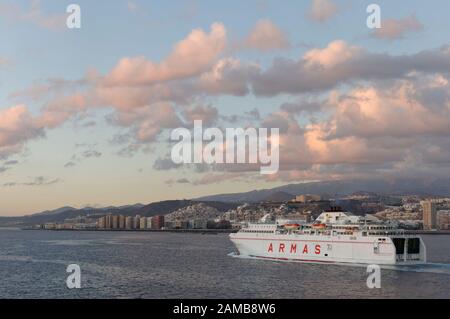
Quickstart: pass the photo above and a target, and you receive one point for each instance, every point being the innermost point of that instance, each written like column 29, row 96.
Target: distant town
column 409, row 212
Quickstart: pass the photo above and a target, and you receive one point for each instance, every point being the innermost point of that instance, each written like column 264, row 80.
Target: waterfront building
column 121, row 222
column 181, row 224
column 101, row 222
column 143, row 223
column 429, row 214
column 198, row 223
column 149, row 222
column 444, row 219
column 157, row 222
column 50, row 226
column 115, row 222
column 129, row 222
column 108, row 221
column 168, row 225
column 136, row 222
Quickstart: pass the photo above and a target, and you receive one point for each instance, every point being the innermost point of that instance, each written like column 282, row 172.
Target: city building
column 157, row 222
column 429, row 215
column 136, row 222
column 129, row 222
column 143, row 223
column 115, row 222
column 121, row 222
column 308, row 198
column 108, row 221
column 149, row 222
column 198, row 224
column 444, row 219
column 101, row 222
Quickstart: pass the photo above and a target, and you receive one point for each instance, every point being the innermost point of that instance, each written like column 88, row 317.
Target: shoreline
column 215, row 231
column 197, row 231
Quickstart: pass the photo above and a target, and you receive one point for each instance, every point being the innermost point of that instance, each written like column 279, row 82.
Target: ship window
column 413, row 246
column 399, row 245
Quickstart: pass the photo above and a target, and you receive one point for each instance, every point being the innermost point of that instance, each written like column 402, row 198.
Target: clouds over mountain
column 348, row 111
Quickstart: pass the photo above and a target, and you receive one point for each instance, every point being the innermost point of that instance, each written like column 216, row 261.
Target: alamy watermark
column 73, row 20
column 238, row 146
column 74, row 279
column 374, row 278
column 374, row 19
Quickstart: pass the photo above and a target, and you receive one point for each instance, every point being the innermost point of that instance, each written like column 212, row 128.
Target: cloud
column 392, row 29
column 227, row 76
column 61, row 109
column 337, row 52
column 91, row 153
column 266, row 36
column 322, row 10
column 17, row 126
column 149, row 121
column 208, row 114
column 69, row 164
column 163, row 164
column 383, row 130
column 340, row 63
column 34, row 15
column 177, row 181
column 37, row 181
column 190, row 57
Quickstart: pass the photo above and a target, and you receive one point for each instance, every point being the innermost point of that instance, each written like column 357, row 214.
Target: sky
column 86, row 114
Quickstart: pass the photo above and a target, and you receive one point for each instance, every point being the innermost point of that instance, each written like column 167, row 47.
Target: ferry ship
column 334, row 237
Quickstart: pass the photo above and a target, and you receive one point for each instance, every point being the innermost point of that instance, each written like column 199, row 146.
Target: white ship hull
column 330, row 249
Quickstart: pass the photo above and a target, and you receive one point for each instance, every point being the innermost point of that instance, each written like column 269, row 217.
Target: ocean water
column 172, row 265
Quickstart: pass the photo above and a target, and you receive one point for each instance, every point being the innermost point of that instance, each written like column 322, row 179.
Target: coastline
column 197, row 231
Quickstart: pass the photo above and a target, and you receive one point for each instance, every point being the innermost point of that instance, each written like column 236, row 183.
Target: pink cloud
column 266, row 36
column 322, row 10
column 190, row 57
column 16, row 127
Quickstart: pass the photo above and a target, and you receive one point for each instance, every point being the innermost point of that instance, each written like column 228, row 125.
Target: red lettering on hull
column 293, row 248
column 305, row 249
column 317, row 250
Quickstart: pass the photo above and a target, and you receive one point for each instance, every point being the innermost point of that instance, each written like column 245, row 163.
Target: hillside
column 439, row 187
column 59, row 215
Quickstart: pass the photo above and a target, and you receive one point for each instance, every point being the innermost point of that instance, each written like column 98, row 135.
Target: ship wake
column 433, row 268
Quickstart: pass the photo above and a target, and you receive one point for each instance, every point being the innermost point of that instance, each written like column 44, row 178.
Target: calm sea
column 171, row 265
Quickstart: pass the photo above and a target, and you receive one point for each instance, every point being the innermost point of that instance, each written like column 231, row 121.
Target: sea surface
column 184, row 265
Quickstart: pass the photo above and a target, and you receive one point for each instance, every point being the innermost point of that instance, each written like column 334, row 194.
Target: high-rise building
column 115, row 222
column 143, row 223
column 429, row 214
column 136, row 222
column 129, row 222
column 121, row 222
column 101, row 222
column 108, row 221
column 157, row 222
column 443, row 219
column 149, row 222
